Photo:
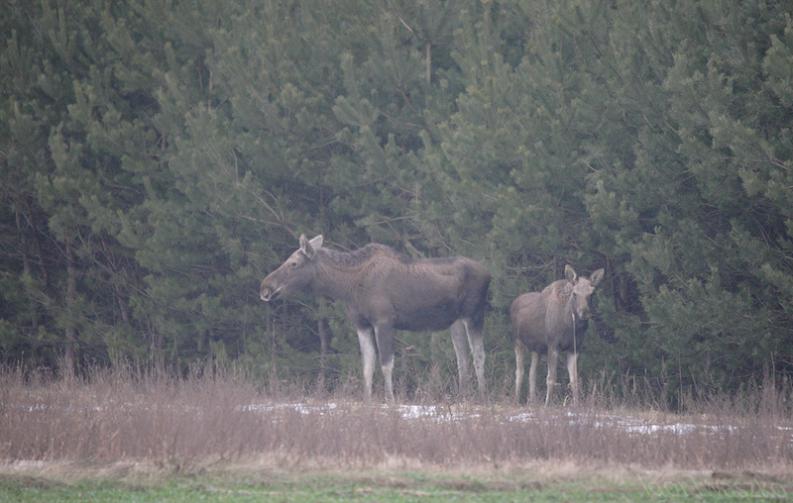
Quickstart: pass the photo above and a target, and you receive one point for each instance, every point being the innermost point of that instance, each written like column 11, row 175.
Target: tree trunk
column 157, row 353
column 428, row 57
column 70, row 347
column 323, row 329
column 26, row 269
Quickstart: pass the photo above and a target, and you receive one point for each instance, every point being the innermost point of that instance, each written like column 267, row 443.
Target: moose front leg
column 368, row 355
column 460, row 343
column 572, row 372
column 385, row 347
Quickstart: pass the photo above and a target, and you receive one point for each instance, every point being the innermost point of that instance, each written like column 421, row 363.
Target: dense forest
column 160, row 157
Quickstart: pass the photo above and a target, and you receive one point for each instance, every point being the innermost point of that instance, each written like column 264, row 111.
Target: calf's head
column 582, row 288
column 295, row 274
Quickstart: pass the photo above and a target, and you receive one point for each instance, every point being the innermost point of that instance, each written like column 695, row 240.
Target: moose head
column 295, row 274
column 581, row 289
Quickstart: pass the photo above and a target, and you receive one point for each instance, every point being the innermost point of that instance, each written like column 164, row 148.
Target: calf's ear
column 569, row 273
column 596, row 277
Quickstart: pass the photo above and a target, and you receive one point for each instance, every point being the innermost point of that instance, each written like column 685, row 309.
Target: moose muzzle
column 268, row 293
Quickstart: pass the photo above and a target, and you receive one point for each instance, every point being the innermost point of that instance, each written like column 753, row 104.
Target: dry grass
column 123, row 418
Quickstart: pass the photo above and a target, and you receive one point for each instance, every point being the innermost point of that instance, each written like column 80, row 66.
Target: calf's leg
column 520, row 352
column 550, row 381
column 535, row 359
column 572, row 372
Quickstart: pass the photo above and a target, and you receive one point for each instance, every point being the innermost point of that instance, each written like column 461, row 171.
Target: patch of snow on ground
column 418, row 411
column 302, row 408
column 445, row 413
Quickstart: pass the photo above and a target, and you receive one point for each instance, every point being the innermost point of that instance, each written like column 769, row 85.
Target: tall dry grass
column 223, row 415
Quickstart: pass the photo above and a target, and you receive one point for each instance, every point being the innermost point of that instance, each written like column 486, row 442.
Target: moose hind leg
column 368, row 355
column 460, row 343
column 477, row 343
column 385, row 347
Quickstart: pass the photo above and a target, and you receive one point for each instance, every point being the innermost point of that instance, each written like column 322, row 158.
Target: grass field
column 390, row 485
column 119, row 436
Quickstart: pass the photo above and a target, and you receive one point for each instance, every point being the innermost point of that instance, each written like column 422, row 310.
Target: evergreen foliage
column 159, row 157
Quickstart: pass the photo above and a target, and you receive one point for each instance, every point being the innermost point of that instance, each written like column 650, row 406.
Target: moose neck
column 570, row 318
column 334, row 279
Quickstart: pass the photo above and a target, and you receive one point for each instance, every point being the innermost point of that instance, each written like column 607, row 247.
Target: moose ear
column 305, row 247
column 569, row 273
column 596, row 276
column 316, row 242
column 309, row 248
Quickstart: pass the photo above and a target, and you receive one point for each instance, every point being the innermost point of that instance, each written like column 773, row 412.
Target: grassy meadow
column 551, row 485
column 220, row 436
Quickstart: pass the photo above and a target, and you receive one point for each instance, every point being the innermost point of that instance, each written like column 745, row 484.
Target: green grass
column 401, row 487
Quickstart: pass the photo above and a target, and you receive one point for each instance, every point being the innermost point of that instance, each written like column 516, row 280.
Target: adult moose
column 385, row 291
column 551, row 321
